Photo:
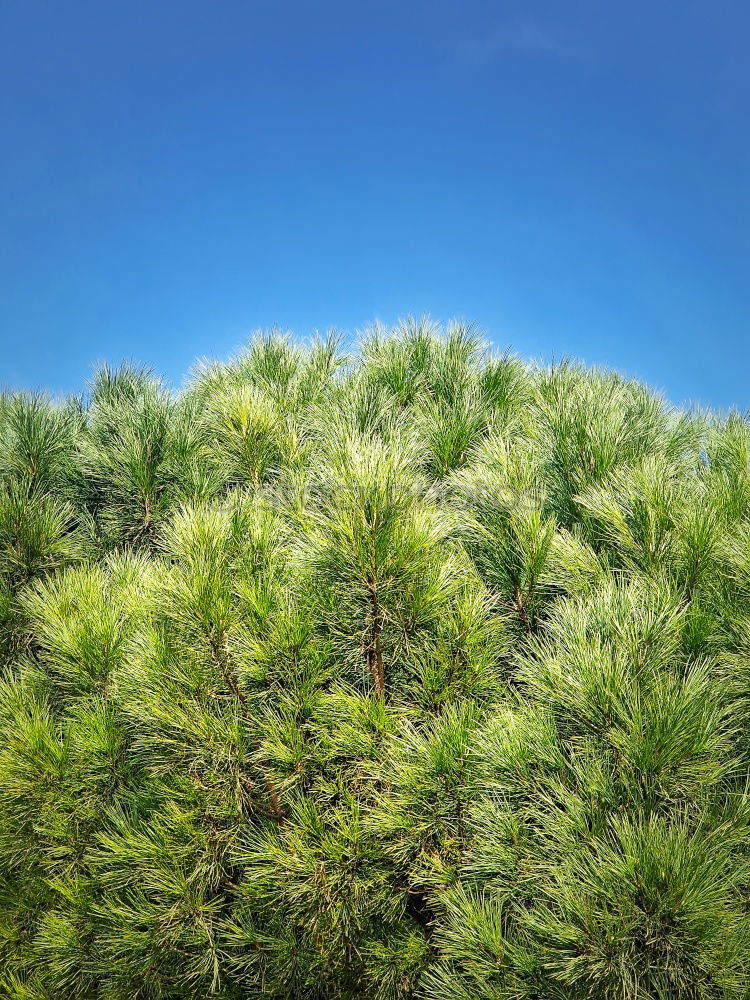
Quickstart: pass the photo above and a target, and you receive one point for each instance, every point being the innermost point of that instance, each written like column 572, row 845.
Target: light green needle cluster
column 413, row 672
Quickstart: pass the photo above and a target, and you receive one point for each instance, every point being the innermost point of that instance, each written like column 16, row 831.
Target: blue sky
column 574, row 177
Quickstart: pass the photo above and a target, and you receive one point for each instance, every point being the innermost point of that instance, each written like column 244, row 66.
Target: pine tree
column 413, row 673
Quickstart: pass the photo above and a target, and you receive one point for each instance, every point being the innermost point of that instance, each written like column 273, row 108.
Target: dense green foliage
column 416, row 673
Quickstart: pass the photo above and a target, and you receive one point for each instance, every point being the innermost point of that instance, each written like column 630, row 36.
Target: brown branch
column 375, row 646
column 521, row 609
column 224, row 660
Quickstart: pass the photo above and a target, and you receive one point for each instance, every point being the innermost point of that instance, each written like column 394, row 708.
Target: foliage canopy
column 414, row 673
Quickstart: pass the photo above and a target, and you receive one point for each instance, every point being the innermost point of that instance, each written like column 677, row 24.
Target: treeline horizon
column 417, row 671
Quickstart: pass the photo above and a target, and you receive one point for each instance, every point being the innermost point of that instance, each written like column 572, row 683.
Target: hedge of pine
column 413, row 672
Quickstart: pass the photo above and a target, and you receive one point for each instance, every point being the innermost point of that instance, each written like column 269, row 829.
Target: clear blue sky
column 575, row 177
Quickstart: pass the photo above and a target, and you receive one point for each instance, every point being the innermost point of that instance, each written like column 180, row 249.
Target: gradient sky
column 573, row 176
